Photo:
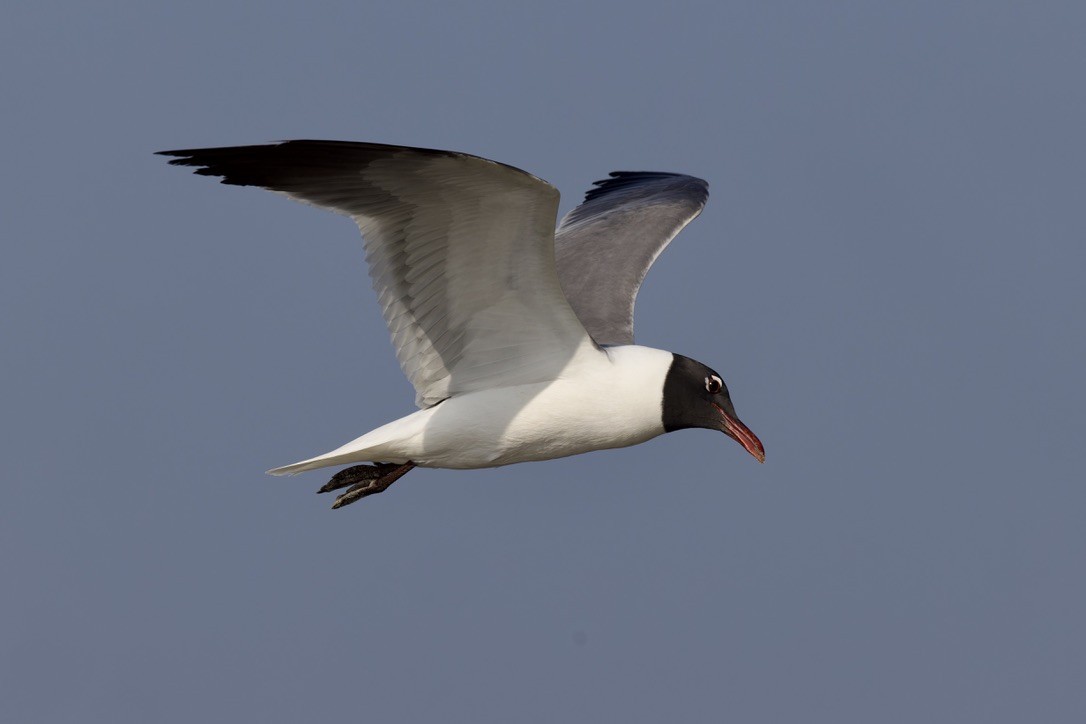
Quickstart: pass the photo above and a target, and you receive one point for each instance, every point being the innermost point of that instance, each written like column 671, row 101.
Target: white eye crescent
column 713, row 384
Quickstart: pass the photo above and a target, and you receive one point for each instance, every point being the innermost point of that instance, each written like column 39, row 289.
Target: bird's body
column 517, row 336
column 605, row 398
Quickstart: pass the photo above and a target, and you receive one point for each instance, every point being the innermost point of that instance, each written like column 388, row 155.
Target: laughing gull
column 517, row 337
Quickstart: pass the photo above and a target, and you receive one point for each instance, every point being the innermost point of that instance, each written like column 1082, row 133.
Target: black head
column 696, row 396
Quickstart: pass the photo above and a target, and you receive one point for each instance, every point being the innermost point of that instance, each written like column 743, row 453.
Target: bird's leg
column 364, row 480
column 357, row 474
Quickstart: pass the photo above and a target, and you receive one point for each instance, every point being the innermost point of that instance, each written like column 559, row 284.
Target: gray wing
column 460, row 251
column 605, row 246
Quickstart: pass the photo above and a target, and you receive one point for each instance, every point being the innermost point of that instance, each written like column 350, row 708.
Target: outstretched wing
column 605, row 246
column 460, row 251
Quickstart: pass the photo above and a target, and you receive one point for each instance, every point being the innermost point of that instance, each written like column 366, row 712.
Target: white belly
column 536, row 422
column 607, row 399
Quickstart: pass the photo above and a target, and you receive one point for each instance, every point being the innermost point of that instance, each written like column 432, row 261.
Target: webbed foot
column 363, row 480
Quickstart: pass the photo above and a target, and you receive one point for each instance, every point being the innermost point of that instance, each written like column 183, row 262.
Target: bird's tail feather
column 336, row 457
column 376, row 446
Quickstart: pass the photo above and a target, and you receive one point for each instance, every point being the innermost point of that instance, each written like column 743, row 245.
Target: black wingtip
column 622, row 180
column 179, row 155
column 284, row 165
column 267, row 165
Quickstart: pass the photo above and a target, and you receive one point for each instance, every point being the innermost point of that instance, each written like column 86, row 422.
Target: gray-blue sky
column 889, row 275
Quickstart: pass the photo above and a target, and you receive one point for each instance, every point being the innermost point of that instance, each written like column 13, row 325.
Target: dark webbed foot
column 363, row 480
column 357, row 474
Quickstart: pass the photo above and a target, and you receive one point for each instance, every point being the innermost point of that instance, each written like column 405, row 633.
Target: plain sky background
column 889, row 274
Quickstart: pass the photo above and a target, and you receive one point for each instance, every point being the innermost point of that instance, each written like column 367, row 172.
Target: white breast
column 603, row 400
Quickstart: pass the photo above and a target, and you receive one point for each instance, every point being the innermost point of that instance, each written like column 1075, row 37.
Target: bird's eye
column 713, row 384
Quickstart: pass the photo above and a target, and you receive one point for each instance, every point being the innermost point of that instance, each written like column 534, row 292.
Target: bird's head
column 696, row 396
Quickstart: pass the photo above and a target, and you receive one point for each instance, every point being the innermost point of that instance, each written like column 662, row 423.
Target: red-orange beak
column 739, row 432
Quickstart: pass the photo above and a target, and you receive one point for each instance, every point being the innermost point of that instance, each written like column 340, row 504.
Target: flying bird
column 517, row 336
